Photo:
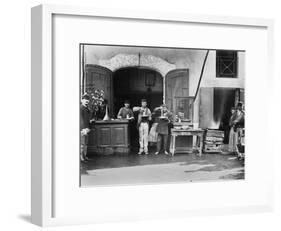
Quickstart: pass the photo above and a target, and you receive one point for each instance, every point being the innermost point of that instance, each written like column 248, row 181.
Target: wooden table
column 187, row 132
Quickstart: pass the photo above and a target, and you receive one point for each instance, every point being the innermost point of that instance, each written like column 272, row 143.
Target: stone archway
column 134, row 60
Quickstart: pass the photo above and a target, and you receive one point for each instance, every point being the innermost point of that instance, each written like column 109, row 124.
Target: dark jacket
column 239, row 120
column 85, row 117
column 163, row 124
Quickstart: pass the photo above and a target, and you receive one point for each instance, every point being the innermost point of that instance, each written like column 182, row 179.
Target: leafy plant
column 97, row 102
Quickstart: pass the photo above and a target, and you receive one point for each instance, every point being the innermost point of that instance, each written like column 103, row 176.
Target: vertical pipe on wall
column 201, row 74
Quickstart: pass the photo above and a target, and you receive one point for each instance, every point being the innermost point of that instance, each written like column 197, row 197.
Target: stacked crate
column 213, row 141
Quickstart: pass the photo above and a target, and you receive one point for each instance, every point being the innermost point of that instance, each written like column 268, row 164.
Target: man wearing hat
column 125, row 112
column 239, row 123
column 144, row 117
column 85, row 119
column 164, row 120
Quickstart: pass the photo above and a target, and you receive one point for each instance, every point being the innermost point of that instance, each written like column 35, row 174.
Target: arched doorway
column 136, row 83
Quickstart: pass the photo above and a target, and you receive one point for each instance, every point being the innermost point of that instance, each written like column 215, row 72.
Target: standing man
column 239, row 123
column 125, row 112
column 85, row 119
column 144, row 117
column 164, row 120
column 232, row 134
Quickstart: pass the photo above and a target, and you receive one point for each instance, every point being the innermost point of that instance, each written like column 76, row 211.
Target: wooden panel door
column 104, row 135
column 118, row 135
column 176, row 89
column 98, row 77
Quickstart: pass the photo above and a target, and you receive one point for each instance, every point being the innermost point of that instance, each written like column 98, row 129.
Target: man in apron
column 162, row 129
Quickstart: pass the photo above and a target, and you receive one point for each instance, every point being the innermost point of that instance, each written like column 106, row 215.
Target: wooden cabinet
column 109, row 137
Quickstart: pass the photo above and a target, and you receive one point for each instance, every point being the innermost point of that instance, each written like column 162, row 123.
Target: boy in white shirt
column 144, row 117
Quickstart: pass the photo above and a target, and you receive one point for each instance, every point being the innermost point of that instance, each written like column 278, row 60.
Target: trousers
column 143, row 137
column 162, row 139
column 84, row 145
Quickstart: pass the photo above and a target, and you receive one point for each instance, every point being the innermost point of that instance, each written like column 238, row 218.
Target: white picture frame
column 44, row 171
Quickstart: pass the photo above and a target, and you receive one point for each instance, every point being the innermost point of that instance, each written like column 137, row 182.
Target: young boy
column 125, row 112
column 144, row 117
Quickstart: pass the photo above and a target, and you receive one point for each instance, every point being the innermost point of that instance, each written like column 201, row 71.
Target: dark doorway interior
column 224, row 99
column 134, row 84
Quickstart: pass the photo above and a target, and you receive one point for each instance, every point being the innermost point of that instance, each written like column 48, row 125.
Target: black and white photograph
column 152, row 115
column 140, row 115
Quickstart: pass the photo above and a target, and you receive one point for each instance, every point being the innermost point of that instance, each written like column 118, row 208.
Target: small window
column 226, row 64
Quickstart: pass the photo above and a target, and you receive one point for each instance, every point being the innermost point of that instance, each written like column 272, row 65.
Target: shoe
column 146, row 153
column 139, row 153
column 166, row 153
column 156, row 153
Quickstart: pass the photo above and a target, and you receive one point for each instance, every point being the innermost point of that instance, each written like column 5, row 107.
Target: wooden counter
column 109, row 137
